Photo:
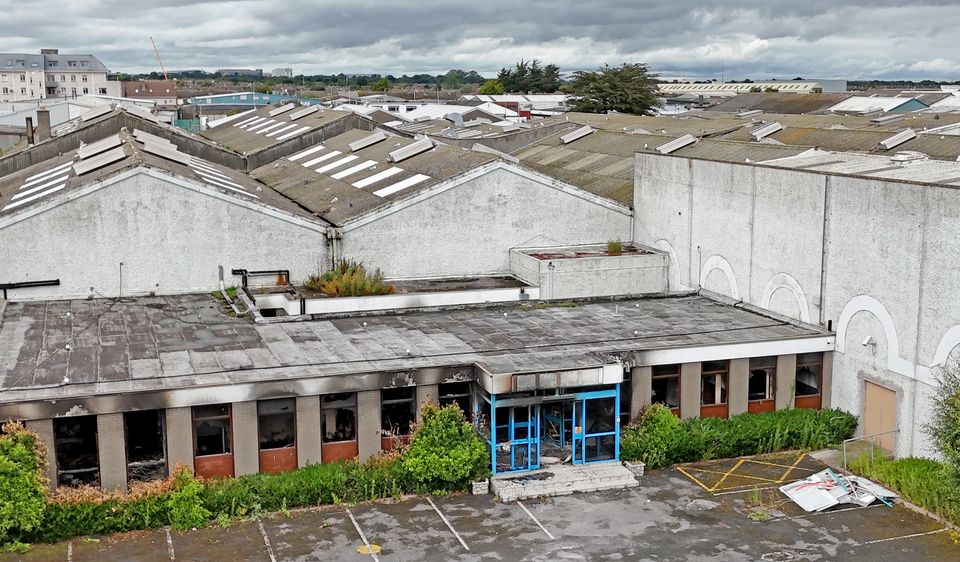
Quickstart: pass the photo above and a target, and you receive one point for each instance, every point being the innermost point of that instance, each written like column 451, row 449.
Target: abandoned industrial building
column 745, row 282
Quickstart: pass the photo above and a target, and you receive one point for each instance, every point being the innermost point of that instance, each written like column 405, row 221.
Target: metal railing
column 873, row 443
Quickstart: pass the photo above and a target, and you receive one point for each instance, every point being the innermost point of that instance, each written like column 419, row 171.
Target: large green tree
column 944, row 423
column 628, row 88
column 530, row 77
column 491, row 88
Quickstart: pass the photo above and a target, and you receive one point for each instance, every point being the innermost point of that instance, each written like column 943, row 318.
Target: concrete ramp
column 562, row 480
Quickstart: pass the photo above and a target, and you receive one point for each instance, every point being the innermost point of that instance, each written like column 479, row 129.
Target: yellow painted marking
column 733, row 472
column 694, row 478
column 728, row 473
column 373, row 549
column 793, row 466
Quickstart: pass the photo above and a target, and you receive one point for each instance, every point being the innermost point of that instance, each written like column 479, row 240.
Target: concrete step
column 562, row 480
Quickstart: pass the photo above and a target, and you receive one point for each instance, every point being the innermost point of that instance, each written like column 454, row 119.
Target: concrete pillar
column 246, row 445
column 827, row 391
column 641, row 385
column 426, row 393
column 738, row 395
column 308, row 430
column 113, row 455
column 690, row 390
column 179, row 433
column 368, row 426
column 44, row 428
column 786, row 381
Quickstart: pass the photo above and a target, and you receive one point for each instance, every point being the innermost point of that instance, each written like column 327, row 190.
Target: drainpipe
column 334, row 245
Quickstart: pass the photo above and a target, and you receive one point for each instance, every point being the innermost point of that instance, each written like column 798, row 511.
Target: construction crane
column 165, row 77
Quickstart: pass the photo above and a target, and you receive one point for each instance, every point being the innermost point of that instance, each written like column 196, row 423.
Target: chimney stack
column 30, row 131
column 43, row 124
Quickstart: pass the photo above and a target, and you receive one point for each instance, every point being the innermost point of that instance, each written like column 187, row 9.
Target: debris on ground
column 825, row 489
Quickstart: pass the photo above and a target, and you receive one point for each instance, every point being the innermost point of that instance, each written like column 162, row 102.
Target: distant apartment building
column 240, row 71
column 282, row 72
column 52, row 75
column 163, row 92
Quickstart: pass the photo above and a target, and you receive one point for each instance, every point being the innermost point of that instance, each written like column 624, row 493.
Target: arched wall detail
column 949, row 341
column 674, row 263
column 721, row 263
column 786, row 282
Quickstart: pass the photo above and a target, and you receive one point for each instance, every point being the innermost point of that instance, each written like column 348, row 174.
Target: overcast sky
column 750, row 38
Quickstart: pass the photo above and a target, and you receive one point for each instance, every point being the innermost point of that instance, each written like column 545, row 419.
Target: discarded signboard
column 826, row 489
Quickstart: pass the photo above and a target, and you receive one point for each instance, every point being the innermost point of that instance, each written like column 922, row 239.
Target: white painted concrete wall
column 470, row 228
column 170, row 239
column 888, row 268
column 592, row 276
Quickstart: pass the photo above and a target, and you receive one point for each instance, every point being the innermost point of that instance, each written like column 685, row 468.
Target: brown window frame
column 261, row 415
column 662, row 376
column 771, row 374
column 819, row 364
column 195, row 419
column 725, row 388
column 323, row 434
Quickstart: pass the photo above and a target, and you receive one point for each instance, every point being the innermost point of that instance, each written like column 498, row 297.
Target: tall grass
column 927, row 483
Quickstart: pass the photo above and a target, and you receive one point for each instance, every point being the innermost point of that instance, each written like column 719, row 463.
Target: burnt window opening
column 277, row 423
column 75, row 444
column 809, row 374
column 761, row 381
column 398, row 409
column 338, row 415
column 456, row 393
column 211, row 430
column 146, row 452
column 713, row 383
column 626, row 397
column 665, row 386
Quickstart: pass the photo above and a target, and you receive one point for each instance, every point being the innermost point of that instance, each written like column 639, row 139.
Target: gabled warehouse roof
column 259, row 130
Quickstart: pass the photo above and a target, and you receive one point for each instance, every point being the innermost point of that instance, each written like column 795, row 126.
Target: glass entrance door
column 596, row 427
column 517, row 438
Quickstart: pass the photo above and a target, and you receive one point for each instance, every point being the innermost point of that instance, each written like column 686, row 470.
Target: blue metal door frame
column 519, row 434
column 580, row 434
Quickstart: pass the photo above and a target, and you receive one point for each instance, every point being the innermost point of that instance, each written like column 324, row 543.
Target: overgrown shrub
column 659, row 441
column 924, row 482
column 23, row 483
column 445, row 451
column 349, row 278
column 614, row 246
column 185, row 502
column 944, row 425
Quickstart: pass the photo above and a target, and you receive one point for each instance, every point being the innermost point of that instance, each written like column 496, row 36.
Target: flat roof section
column 185, row 345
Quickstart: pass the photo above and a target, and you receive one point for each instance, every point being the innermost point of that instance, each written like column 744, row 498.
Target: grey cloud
column 754, row 38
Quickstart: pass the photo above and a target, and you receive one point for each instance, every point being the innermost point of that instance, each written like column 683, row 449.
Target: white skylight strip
column 341, row 162
column 282, row 129
column 305, row 153
column 255, row 121
column 271, row 127
column 202, row 164
column 354, row 169
column 379, row 176
column 40, row 187
column 294, row 133
column 240, row 191
column 44, row 175
column 260, row 125
column 205, row 170
column 323, row 158
column 221, row 179
column 246, row 121
column 222, row 183
column 401, row 185
column 35, row 197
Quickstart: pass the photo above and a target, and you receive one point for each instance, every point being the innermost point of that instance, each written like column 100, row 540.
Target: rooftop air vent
column 908, row 156
column 367, row 141
column 765, row 130
column 96, row 112
column 578, row 134
column 282, row 109
column 898, row 139
column 401, row 154
column 676, row 144
column 893, row 117
column 87, row 150
column 454, row 118
column 141, row 113
column 304, row 112
column 749, row 113
column 477, row 147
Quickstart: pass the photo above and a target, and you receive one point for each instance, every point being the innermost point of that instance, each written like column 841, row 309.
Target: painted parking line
column 537, row 521
column 888, row 539
column 266, row 541
column 70, row 551
column 170, row 545
column 363, row 537
column 745, row 490
column 832, row 512
column 449, row 526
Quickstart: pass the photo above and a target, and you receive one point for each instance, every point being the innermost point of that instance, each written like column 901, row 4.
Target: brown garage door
column 879, row 413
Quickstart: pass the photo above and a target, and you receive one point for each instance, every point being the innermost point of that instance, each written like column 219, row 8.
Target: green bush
column 659, row 439
column 944, row 425
column 185, row 502
column 22, row 480
column 349, row 279
column 924, row 482
column 63, row 520
column 445, row 451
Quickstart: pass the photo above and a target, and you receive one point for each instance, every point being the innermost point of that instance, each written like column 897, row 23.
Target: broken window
column 398, row 409
column 338, row 414
column 713, row 383
column 665, row 383
column 809, row 373
column 75, row 444
column 146, row 457
column 277, row 423
column 456, row 393
column 763, row 371
column 211, row 429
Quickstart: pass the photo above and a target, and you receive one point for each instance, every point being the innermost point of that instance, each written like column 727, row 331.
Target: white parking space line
column 362, row 536
column 808, row 515
column 266, row 541
column 70, row 551
column 537, row 521
column 745, row 490
column 170, row 545
column 905, row 536
column 449, row 526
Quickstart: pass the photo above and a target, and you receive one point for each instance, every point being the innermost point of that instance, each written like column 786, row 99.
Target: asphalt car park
column 668, row 517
